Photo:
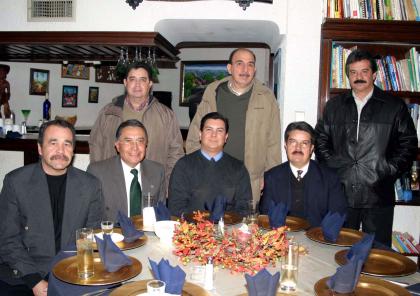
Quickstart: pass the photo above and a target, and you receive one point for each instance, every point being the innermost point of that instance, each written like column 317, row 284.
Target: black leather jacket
column 386, row 147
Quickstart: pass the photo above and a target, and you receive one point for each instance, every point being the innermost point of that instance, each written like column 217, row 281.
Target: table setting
column 246, row 258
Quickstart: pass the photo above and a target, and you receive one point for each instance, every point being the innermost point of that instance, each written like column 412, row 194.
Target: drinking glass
column 289, row 268
column 107, row 227
column 25, row 113
column 149, row 218
column 155, row 287
column 252, row 216
column 84, row 244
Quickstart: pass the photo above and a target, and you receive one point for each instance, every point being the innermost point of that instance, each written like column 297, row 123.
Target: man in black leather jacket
column 368, row 136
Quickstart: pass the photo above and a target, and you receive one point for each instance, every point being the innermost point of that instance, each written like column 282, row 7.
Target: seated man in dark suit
column 42, row 206
column 309, row 189
column 207, row 173
column 117, row 173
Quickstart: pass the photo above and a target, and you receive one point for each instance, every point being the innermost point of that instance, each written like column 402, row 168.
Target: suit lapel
column 146, row 183
column 119, row 181
column 312, row 182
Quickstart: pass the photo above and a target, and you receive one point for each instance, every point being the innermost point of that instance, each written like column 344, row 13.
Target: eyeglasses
column 303, row 144
column 130, row 141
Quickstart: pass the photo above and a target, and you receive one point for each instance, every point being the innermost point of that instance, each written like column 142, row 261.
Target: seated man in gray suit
column 42, row 205
column 117, row 173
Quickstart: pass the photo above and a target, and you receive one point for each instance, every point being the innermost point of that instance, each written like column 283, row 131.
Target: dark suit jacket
column 323, row 191
column 26, row 224
column 110, row 173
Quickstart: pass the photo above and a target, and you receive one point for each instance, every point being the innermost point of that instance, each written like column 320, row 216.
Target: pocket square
column 331, row 225
column 111, row 256
column 130, row 233
column 277, row 214
column 173, row 276
column 262, row 284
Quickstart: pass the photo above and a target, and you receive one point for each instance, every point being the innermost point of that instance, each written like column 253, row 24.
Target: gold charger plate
column 294, row 223
column 66, row 270
column 138, row 222
column 367, row 286
column 133, row 289
column 382, row 263
column 122, row 244
column 346, row 238
column 229, row 218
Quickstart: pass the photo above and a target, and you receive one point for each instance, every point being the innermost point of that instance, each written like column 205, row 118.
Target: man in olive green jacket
column 250, row 105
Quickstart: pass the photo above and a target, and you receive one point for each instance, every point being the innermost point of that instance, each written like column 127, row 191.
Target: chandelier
column 134, row 3
column 244, row 3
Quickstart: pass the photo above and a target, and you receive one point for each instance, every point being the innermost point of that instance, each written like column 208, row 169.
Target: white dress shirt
column 360, row 103
column 128, row 178
column 295, row 169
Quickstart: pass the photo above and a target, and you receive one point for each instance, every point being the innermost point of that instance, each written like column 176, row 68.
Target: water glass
column 84, row 244
column 155, row 287
column 107, row 227
column 289, row 268
column 149, row 218
column 252, row 216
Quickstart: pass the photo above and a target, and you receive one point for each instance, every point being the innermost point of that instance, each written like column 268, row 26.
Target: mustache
column 59, row 157
column 297, row 152
column 244, row 75
column 360, row 81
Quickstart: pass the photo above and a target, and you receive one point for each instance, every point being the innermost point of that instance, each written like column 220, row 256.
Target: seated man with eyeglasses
column 128, row 176
column 309, row 189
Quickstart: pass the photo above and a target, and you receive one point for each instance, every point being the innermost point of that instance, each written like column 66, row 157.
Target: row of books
column 404, row 243
column 373, row 9
column 393, row 74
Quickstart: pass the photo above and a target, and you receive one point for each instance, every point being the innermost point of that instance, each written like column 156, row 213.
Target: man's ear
column 229, row 68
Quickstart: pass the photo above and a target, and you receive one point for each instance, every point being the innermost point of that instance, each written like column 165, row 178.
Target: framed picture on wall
column 106, row 74
column 38, row 81
column 93, row 94
column 76, row 71
column 69, row 98
column 196, row 75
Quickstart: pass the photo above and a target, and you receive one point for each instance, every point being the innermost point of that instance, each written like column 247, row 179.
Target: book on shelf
column 404, row 243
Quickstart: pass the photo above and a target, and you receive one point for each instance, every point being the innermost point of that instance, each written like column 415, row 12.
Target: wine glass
column 25, row 113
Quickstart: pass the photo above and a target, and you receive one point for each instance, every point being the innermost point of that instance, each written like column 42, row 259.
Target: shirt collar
column 363, row 100
column 216, row 158
column 127, row 168
column 236, row 93
column 295, row 169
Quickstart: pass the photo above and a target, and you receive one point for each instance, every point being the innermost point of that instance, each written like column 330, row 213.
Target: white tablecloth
column 317, row 264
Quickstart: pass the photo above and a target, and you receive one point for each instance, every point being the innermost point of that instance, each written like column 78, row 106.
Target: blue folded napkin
column 277, row 214
column 111, row 256
column 331, row 225
column 130, row 233
column 361, row 248
column 263, row 283
column 13, row 135
column 414, row 289
column 162, row 212
column 174, row 277
column 346, row 277
column 217, row 208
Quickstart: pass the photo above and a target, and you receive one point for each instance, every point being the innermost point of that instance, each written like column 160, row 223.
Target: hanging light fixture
column 134, row 3
column 244, row 3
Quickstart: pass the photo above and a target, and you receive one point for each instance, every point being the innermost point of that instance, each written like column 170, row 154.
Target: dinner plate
column 121, row 243
column 294, row 223
column 66, row 270
column 346, row 238
column 229, row 218
column 138, row 222
column 382, row 263
column 136, row 288
column 366, row 286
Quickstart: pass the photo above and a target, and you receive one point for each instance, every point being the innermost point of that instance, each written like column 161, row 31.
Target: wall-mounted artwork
column 69, row 98
column 106, row 74
column 38, row 82
column 196, row 75
column 93, row 94
column 76, row 71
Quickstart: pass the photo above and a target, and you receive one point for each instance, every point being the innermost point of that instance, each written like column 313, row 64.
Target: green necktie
column 135, row 194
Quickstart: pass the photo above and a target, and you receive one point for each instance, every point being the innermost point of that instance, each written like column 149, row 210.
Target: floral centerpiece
column 235, row 250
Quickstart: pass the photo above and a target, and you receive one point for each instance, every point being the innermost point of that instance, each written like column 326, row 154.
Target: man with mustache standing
column 250, row 106
column 309, row 190
column 368, row 136
column 43, row 205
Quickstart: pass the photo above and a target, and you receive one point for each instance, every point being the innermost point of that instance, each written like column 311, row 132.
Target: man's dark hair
column 57, row 122
column 130, row 123
column 241, row 49
column 214, row 115
column 360, row 55
column 301, row 126
column 139, row 65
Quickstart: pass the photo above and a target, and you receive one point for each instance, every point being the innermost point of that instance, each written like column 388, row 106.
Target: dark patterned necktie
column 299, row 176
column 135, row 194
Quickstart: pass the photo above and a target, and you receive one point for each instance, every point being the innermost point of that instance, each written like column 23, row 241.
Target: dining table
column 317, row 263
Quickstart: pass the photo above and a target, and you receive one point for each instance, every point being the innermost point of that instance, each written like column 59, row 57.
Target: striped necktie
column 299, row 176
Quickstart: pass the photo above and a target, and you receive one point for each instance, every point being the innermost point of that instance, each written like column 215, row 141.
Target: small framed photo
column 76, row 71
column 106, row 74
column 93, row 94
column 38, row 81
column 69, row 96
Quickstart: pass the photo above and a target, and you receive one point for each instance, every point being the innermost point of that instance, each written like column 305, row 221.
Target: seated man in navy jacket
column 308, row 188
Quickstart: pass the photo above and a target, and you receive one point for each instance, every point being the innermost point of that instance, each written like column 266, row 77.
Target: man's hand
column 41, row 288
